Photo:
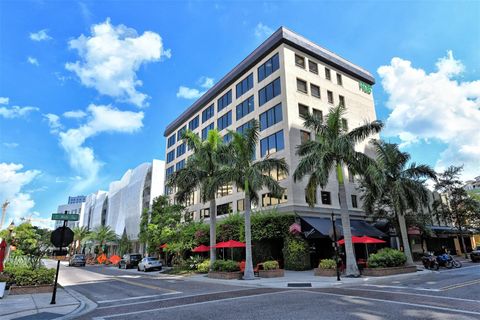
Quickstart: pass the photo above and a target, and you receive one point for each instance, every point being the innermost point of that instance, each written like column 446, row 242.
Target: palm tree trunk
column 404, row 235
column 351, row 267
column 464, row 248
column 248, row 273
column 213, row 234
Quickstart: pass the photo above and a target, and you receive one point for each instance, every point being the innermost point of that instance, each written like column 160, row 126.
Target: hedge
column 226, row 266
column 296, row 254
column 386, row 257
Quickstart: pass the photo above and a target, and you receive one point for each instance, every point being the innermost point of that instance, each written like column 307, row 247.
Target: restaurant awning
column 315, row 227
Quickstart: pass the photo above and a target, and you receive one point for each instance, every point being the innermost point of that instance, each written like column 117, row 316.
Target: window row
column 245, row 108
column 313, row 67
column 244, row 85
column 224, row 101
column 302, row 86
column 224, row 121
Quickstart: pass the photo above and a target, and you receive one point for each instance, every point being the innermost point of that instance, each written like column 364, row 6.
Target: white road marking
column 397, row 302
column 401, row 287
column 139, row 297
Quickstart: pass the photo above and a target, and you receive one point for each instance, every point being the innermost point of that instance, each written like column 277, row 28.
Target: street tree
column 332, row 149
column 102, row 235
column 80, row 234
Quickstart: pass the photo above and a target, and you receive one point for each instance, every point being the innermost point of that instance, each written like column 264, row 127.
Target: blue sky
column 66, row 128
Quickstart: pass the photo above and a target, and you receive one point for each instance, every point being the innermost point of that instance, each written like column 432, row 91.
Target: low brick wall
column 324, row 272
column 271, row 273
column 379, row 272
column 30, row 289
column 225, row 275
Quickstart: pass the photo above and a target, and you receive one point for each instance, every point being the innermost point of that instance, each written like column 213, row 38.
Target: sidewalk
column 293, row 278
column 68, row 305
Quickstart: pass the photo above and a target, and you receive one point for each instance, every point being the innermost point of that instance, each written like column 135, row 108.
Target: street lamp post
column 335, row 246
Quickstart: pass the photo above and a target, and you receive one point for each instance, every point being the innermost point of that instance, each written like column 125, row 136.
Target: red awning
column 201, row 248
column 230, row 244
column 364, row 239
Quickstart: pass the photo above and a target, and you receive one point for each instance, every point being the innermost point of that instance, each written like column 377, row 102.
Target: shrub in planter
column 387, row 257
column 296, row 254
column 226, row 266
column 271, row 265
column 30, row 277
column 327, row 264
column 204, row 266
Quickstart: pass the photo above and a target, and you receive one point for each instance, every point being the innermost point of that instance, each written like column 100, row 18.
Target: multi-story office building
column 75, row 205
column 283, row 78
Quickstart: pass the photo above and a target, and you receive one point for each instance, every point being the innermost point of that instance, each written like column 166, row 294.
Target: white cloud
column 40, row 35
column 75, row 114
column 53, row 122
column 189, row 93
column 192, row 93
column 14, row 111
column 110, row 58
column 12, row 182
column 10, row 144
column 435, row 106
column 100, row 119
column 33, row 61
column 262, row 31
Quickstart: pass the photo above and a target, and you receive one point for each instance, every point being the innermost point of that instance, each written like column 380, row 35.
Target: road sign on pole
column 65, row 216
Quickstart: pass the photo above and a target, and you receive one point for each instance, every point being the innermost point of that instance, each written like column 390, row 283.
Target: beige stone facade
column 346, row 80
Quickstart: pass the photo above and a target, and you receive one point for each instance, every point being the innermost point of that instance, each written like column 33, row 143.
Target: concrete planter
column 45, row 288
column 236, row 275
column 324, row 272
column 379, row 272
column 271, row 273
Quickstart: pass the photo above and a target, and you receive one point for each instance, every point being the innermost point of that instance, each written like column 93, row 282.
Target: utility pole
column 4, row 212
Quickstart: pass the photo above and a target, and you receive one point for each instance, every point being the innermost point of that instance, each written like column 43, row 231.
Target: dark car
column 77, row 260
column 475, row 254
column 130, row 260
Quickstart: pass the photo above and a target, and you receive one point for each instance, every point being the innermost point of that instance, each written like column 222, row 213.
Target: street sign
column 65, row 216
column 56, row 237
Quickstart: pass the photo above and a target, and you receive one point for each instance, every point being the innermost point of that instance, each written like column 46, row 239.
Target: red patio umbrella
column 201, row 248
column 230, row 244
column 366, row 240
column 3, row 246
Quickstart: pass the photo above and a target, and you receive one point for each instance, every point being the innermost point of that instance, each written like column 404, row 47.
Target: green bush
column 387, row 257
column 204, row 266
column 194, row 261
column 271, row 265
column 226, row 266
column 327, row 264
column 296, row 254
column 23, row 276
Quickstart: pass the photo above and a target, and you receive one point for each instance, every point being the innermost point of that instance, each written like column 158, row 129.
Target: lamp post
column 335, row 246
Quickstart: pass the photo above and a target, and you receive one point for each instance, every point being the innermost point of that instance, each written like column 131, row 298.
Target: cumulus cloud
column 110, row 58
column 12, row 182
column 435, row 106
column 40, row 35
column 101, row 118
column 53, row 122
column 262, row 31
column 192, row 93
column 33, row 61
column 14, row 111
column 75, row 114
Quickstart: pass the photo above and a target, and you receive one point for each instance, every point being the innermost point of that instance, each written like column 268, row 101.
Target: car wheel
column 119, row 266
column 145, row 269
column 138, row 268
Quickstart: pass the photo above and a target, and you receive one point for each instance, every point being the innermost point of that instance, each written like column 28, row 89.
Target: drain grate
column 299, row 284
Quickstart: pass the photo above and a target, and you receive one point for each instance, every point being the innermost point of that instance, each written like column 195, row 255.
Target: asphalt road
column 128, row 294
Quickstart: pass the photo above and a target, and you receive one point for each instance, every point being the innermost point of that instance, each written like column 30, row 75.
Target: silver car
column 148, row 264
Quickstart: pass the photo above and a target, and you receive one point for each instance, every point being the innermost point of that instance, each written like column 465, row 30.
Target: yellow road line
column 459, row 285
column 143, row 285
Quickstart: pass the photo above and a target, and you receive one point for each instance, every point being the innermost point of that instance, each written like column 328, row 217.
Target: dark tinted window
column 270, row 66
column 326, row 197
column 169, row 171
column 245, row 108
column 268, row 92
column 180, row 133
column 244, row 85
column 272, row 144
column 271, row 117
column 180, row 165
column 193, row 124
column 224, row 101
column 244, row 127
column 181, row 149
column 170, row 156
column 207, row 113
column 224, row 121
column 171, row 141
column 206, row 129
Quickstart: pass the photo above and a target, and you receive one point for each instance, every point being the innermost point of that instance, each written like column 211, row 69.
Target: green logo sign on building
column 365, row 87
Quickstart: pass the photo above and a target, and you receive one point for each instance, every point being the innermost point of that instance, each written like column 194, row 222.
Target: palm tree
column 250, row 176
column 103, row 234
column 332, row 149
column 199, row 173
column 398, row 184
column 79, row 235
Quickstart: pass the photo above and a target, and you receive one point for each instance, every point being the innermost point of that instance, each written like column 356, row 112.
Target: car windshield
column 135, row 257
column 152, row 259
column 79, row 256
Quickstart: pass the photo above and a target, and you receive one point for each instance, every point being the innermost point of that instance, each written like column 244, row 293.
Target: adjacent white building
column 75, row 205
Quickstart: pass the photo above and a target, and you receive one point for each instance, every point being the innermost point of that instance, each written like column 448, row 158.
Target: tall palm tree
column 250, row 176
column 199, row 173
column 79, row 235
column 103, row 234
column 332, row 149
column 398, row 184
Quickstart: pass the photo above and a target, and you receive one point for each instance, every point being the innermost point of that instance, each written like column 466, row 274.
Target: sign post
column 60, row 238
column 335, row 246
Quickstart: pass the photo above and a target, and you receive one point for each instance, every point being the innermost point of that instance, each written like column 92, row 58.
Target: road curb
column 86, row 305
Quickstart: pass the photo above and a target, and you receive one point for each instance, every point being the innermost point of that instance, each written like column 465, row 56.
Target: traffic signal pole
column 62, row 238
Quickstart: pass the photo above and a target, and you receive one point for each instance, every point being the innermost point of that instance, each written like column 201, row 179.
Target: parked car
column 148, row 264
column 130, row 260
column 475, row 254
column 77, row 260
